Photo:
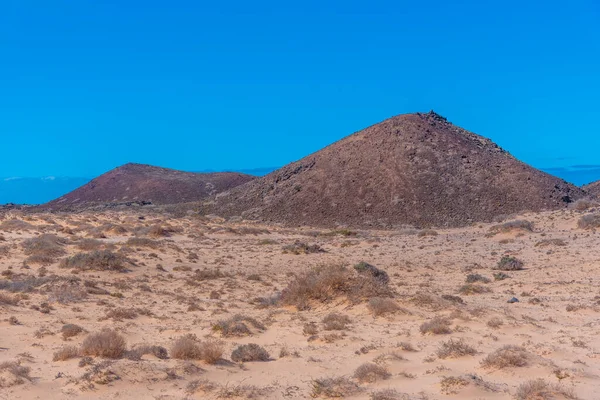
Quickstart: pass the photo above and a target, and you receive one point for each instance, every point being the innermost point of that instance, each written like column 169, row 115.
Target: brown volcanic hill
column 593, row 188
column 146, row 183
column 415, row 169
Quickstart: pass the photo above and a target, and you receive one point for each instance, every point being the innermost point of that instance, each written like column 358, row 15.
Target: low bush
column 509, row 263
column 507, row 356
column 250, row 352
column 102, row 260
column 369, row 373
column 106, row 343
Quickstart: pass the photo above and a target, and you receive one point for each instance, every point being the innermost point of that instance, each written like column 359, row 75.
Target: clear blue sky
column 195, row 85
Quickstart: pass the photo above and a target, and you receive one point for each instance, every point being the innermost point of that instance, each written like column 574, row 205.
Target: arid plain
column 141, row 305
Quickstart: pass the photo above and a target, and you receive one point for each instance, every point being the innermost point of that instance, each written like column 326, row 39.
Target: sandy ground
column 555, row 321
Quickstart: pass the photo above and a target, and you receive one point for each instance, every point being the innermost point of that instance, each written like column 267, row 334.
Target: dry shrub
column 377, row 274
column 382, row 306
column 188, row 347
column 495, row 323
column 13, row 373
column 143, row 242
column 539, row 389
column 106, row 343
column 336, row 322
column 452, row 384
column 583, row 204
column 66, row 353
column 520, row 224
column 326, row 283
column 90, row 244
column 389, row 394
column 138, row 352
column 15, row 225
column 471, row 288
column 437, row 325
column 102, row 260
column 70, row 330
column 509, row 263
column 238, row 326
column 507, row 356
column 208, row 274
column 472, row 278
column 369, row 373
column 427, row 232
column 250, row 352
column 9, row 300
column 455, row 348
column 67, row 293
column 430, row 302
column 334, row 387
column 550, row 242
column 302, row 248
column 590, row 221
column 43, row 249
column 119, row 314
column 310, row 329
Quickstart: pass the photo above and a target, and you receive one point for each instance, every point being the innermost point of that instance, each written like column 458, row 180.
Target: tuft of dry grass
column 238, row 326
column 43, row 249
column 437, row 325
column 11, row 225
column 101, row 260
column 589, row 221
column 17, row 374
column 472, row 278
column 138, row 352
column 302, row 248
column 336, row 322
column 455, row 348
column 539, row 389
column 250, row 352
column 471, row 288
column 519, row 224
column 506, row 357
column 508, row 263
column 382, row 306
column 326, row 283
column 389, row 394
column 66, row 353
column 495, row 323
column 70, row 330
column 334, row 387
column 369, row 373
column 106, row 343
column 8, row 300
column 551, row 242
column 188, row 347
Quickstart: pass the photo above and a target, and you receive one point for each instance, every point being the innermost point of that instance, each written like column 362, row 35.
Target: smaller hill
column 139, row 183
column 593, row 188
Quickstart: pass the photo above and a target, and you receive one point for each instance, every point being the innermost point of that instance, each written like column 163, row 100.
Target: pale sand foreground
column 556, row 321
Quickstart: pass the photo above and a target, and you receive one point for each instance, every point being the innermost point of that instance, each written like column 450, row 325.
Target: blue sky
column 194, row 85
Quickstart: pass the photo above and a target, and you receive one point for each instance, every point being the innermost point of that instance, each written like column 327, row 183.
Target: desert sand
column 220, row 283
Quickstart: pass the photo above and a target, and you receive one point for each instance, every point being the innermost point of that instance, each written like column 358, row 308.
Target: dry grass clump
column 336, row 322
column 138, row 352
column 383, row 305
column 250, row 352
column 326, row 283
column 90, row 244
column 369, row 373
column 106, row 343
column 551, row 242
column 9, row 300
column 589, row 221
column 472, row 278
column 143, row 242
column 495, row 323
column 43, row 249
column 66, row 353
column 509, row 263
column 15, row 225
column 119, row 314
column 389, row 394
column 101, row 260
column 188, row 347
column 519, row 224
column 13, row 373
column 237, row 326
column 507, row 356
column 334, row 387
column 208, row 274
column 437, row 325
column 583, row 204
column 452, row 384
column 70, row 330
column 539, row 389
column 67, row 293
column 471, row 288
column 302, row 248
column 377, row 274
column 455, row 348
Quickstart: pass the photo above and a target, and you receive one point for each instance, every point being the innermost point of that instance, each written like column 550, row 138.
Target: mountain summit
column 146, row 183
column 416, row 169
